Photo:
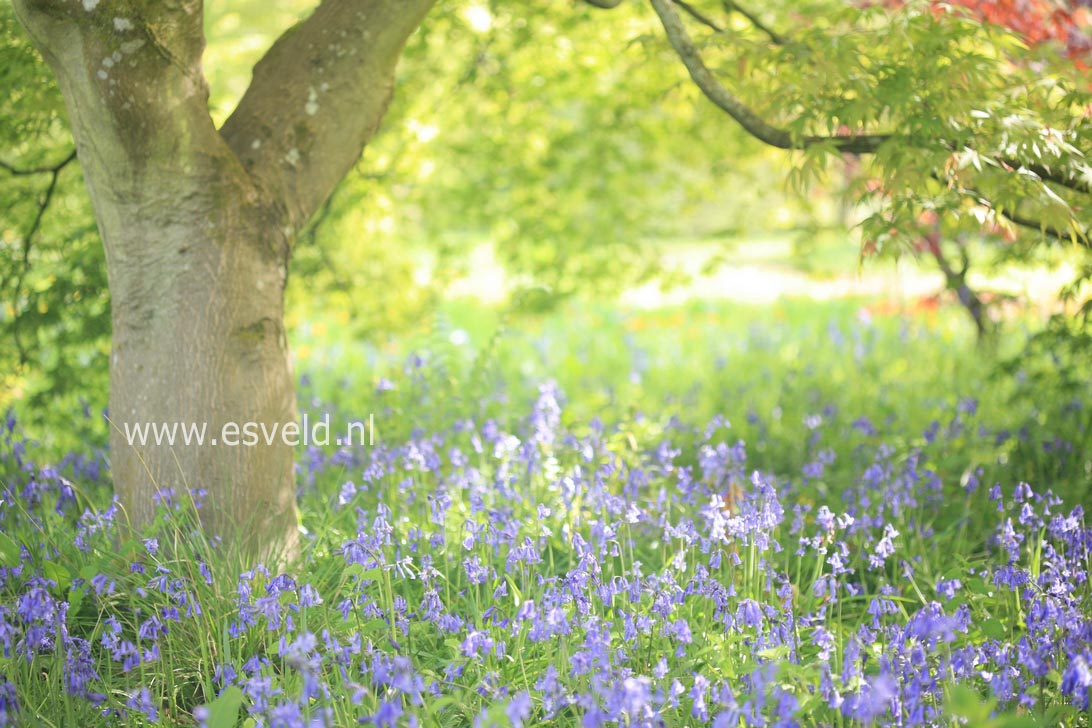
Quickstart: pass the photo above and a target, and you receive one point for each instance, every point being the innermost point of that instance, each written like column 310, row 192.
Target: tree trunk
column 197, row 224
column 197, row 268
column 196, row 259
column 198, row 338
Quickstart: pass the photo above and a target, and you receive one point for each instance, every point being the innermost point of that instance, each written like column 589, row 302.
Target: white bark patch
column 256, row 144
column 131, row 46
column 311, row 107
column 293, row 156
column 122, row 24
column 90, row 5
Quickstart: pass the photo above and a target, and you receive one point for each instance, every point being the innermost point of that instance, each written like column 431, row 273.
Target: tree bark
column 197, row 291
column 196, row 264
column 197, row 225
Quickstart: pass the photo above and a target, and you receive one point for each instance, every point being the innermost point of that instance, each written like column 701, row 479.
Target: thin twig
column 1083, row 237
column 20, row 172
column 1056, row 176
column 733, row 7
column 699, row 16
column 28, row 242
column 1048, row 230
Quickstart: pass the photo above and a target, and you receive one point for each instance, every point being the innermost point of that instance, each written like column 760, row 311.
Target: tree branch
column 1017, row 219
column 956, row 281
column 317, row 97
column 775, row 136
column 1075, row 183
column 49, row 169
column 775, row 37
column 1048, row 230
column 604, row 4
column 1046, row 174
column 697, row 15
column 28, row 243
column 130, row 75
column 755, row 125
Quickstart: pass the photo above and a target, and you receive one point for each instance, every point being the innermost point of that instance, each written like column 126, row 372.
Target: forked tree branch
column 956, row 281
column 130, row 74
column 28, row 242
column 46, row 169
column 318, row 96
column 775, row 136
column 754, row 124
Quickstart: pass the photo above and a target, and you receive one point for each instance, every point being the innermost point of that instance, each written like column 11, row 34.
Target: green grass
column 792, row 381
column 697, row 360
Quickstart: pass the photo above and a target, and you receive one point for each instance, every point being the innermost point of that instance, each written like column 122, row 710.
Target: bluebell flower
column 1077, row 679
column 142, row 702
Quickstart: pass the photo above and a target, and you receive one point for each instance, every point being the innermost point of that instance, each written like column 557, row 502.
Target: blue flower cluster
column 556, row 572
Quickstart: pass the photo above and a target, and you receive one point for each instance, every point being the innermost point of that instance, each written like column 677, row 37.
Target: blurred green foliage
column 545, row 131
column 570, row 140
column 54, row 307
